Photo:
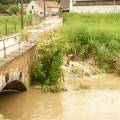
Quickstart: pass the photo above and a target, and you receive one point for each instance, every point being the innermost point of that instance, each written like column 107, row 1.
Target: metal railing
column 17, row 41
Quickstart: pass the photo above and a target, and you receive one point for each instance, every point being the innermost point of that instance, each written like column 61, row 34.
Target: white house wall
column 36, row 10
column 97, row 9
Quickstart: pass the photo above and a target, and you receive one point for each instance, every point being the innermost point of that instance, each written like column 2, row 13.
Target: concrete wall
column 21, row 63
column 95, row 9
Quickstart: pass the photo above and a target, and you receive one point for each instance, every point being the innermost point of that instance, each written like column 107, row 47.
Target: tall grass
column 13, row 23
column 96, row 35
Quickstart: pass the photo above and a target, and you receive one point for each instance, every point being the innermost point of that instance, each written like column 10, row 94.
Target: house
column 25, row 7
column 65, row 5
column 37, row 7
column 92, row 6
column 100, row 6
column 52, row 7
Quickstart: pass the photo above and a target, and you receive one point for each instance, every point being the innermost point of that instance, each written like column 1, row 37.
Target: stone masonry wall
column 22, row 63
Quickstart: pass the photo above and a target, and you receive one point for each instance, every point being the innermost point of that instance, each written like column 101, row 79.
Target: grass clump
column 77, row 70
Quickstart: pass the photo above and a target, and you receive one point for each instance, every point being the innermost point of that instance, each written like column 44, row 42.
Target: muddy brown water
column 70, row 105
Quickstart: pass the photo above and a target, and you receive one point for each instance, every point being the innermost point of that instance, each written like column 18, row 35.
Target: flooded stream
column 90, row 104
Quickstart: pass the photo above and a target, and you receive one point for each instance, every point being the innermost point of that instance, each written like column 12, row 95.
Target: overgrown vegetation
column 93, row 35
column 9, row 9
column 47, row 69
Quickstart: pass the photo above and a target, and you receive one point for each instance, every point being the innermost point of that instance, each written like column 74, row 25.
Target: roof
column 64, row 4
column 40, row 3
column 49, row 4
column 95, row 0
column 52, row 4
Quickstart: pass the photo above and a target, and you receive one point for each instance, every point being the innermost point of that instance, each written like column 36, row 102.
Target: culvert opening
column 14, row 86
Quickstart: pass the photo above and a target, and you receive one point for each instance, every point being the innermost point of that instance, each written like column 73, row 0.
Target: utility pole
column 22, row 26
column 44, row 13
column 71, row 6
column 44, row 9
column 114, row 6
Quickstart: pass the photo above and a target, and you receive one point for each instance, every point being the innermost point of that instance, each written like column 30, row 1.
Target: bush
column 47, row 70
column 13, row 9
column 38, row 76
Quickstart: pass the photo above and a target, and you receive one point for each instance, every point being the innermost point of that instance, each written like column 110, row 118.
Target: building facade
column 65, row 5
column 92, row 6
column 52, row 8
column 37, row 7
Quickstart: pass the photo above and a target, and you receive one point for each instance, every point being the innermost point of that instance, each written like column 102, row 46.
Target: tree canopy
column 12, row 1
column 16, row 1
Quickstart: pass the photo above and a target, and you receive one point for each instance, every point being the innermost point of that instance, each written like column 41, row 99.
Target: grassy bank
column 94, row 36
column 13, row 23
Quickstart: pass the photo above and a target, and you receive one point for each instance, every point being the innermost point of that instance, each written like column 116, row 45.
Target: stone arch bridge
column 15, row 67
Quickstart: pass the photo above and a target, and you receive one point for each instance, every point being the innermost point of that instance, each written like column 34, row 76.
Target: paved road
column 34, row 33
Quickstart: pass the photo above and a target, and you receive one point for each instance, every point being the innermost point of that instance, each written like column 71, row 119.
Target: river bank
column 84, row 75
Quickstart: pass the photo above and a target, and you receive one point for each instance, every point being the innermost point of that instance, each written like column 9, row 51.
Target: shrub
column 47, row 70
column 13, row 9
column 38, row 76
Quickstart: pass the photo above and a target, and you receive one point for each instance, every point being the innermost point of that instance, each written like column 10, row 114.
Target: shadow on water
column 9, row 93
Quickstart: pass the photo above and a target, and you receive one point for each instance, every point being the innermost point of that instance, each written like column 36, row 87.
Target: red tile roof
column 49, row 4
column 52, row 4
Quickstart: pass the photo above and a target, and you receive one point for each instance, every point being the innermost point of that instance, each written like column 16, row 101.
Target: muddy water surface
column 71, row 105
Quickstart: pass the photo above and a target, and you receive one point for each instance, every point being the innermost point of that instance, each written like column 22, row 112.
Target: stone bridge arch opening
column 14, row 85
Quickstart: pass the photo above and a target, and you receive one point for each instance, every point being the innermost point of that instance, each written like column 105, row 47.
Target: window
column 41, row 12
column 30, row 12
column 32, row 7
column 95, row 2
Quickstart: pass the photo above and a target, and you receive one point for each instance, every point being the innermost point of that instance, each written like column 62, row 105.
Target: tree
column 3, row 8
column 13, row 1
column 8, row 1
column 13, row 9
